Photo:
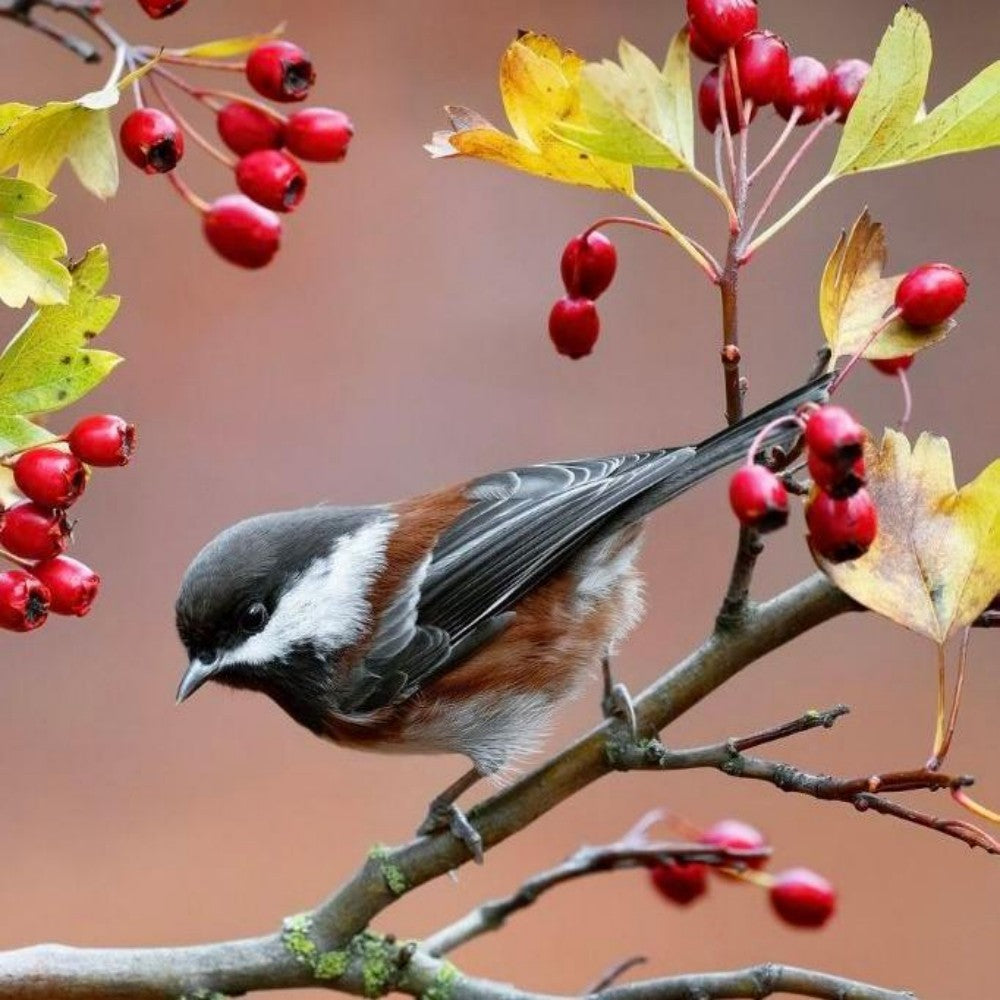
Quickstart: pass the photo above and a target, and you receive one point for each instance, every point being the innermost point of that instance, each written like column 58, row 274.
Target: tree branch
column 23, row 12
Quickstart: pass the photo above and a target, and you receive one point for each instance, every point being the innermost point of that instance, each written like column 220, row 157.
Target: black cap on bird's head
column 277, row 592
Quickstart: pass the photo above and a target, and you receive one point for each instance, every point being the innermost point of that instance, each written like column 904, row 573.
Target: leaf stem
column 199, row 139
column 773, row 230
column 887, row 320
column 700, row 256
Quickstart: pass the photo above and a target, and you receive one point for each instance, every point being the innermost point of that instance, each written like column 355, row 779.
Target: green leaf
column 8, row 112
column 634, row 112
column 29, row 251
column 46, row 366
column 228, row 48
column 20, row 432
column 39, row 140
column 966, row 121
column 890, row 99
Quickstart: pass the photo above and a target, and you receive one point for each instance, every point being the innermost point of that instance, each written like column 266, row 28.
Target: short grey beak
column 197, row 674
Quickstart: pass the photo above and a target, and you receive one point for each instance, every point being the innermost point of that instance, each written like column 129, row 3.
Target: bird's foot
column 446, row 815
column 617, row 704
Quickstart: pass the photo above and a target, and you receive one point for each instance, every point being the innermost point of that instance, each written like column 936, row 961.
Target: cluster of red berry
column 35, row 532
column 800, row 897
column 588, row 268
column 801, row 89
column 243, row 228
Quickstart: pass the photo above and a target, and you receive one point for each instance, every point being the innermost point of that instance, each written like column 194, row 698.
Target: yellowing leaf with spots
column 854, row 298
column 935, row 564
column 47, row 365
column 539, row 85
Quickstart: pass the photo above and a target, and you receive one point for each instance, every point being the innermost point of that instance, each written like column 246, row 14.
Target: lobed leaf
column 30, row 252
column 539, row 86
column 935, row 564
column 47, row 365
column 854, row 298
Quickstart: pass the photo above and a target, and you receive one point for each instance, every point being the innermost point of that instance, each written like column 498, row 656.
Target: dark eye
column 253, row 618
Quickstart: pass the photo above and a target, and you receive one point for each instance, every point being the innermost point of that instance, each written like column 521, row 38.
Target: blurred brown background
column 397, row 343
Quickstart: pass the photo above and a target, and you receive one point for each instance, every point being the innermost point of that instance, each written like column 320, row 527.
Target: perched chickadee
column 454, row 622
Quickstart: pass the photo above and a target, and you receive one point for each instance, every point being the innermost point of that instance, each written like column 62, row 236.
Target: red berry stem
column 16, row 560
column 904, row 384
column 177, row 59
column 209, row 147
column 621, row 220
column 8, row 457
column 727, row 132
column 747, row 247
column 786, row 134
column 859, row 353
column 758, row 441
column 184, row 190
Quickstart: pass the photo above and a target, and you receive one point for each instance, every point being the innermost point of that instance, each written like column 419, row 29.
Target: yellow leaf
column 228, row 48
column 539, row 84
column 635, row 113
column 891, row 97
column 39, row 140
column 854, row 298
column 935, row 563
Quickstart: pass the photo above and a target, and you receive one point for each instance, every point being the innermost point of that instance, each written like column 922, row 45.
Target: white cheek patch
column 327, row 607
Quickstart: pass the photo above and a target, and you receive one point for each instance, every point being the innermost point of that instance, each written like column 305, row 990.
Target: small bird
column 454, row 622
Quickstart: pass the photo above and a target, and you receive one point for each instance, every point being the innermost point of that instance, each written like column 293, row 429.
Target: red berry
column 930, row 294
column 722, row 23
column 588, row 265
column 32, row 531
column 758, row 498
column 842, row 530
column 152, row 140
column 574, row 326
column 708, row 103
column 272, row 179
column 807, row 86
column 738, row 836
column 762, row 62
column 833, row 435
column 681, row 882
column 802, row 898
column 839, row 480
column 51, row 477
column 245, row 129
column 24, row 601
column 281, row 71
column 701, row 48
column 72, row 586
column 892, row 366
column 846, row 80
column 320, row 135
column 102, row 439
column 161, row 8
column 242, row 231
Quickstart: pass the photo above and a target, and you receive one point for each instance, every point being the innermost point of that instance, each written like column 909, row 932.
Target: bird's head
column 270, row 602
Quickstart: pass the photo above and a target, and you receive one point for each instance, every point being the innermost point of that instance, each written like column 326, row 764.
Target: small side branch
column 23, row 12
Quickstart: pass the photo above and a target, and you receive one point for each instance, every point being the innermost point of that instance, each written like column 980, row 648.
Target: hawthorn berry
column 241, row 231
column 758, row 498
column 833, row 435
column 722, row 23
column 680, row 882
column 320, row 135
column 892, row 366
column 24, row 601
column 839, row 480
column 762, row 62
column 50, row 477
column 72, row 586
column 736, row 835
column 32, row 531
column 842, row 530
column 245, row 129
column 271, row 178
column 574, row 326
column 161, row 8
column 701, row 48
column 708, row 103
column 930, row 294
column 102, row 439
column 152, row 140
column 588, row 265
column 802, row 898
column 280, row 71
column 807, row 86
column 847, row 77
